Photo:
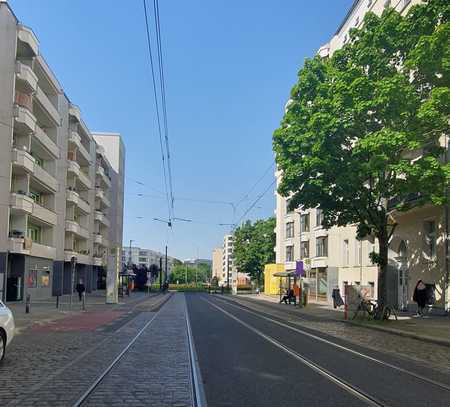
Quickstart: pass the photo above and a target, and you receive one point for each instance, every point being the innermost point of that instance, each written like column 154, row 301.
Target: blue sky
column 229, row 67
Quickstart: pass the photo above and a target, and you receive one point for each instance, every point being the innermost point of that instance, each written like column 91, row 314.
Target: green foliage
column 362, row 129
column 253, row 247
column 200, row 273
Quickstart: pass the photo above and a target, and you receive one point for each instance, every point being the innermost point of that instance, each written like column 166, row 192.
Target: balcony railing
column 23, row 159
column 45, row 178
column 51, row 110
column 44, row 214
column 46, row 142
column 26, row 75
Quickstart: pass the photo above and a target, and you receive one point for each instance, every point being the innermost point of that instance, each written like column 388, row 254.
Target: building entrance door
column 403, row 276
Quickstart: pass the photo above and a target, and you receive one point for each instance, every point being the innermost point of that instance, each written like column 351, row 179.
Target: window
column 288, row 202
column 304, row 250
column 319, row 217
column 321, row 247
column 36, row 197
column 289, row 253
column 387, row 3
column 346, row 254
column 357, row 21
column 34, row 233
column 304, row 223
column 142, row 253
column 430, row 239
column 142, row 260
column 369, row 3
column 289, row 229
column 358, row 248
column 372, row 289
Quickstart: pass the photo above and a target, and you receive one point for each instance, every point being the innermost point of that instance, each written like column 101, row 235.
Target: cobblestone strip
column 156, row 371
column 52, row 368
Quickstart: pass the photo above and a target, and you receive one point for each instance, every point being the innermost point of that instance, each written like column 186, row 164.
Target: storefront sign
column 299, row 269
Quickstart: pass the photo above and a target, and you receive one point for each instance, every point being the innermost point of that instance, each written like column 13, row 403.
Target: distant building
column 198, row 261
column 229, row 274
column 147, row 257
column 217, row 264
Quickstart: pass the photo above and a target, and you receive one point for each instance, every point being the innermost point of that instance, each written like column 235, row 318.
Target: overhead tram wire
column 246, row 195
column 162, row 84
column 149, row 45
column 259, row 197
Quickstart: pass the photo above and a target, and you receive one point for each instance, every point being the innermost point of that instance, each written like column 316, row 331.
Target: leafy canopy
column 363, row 128
column 253, row 246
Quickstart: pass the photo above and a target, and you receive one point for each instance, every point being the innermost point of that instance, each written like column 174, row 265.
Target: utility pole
column 130, row 263
column 160, row 273
column 73, row 263
column 165, row 275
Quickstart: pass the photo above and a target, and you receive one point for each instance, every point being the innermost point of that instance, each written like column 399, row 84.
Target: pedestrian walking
column 80, row 289
column 420, row 297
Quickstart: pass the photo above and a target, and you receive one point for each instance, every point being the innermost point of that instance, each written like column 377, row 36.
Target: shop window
column 288, row 204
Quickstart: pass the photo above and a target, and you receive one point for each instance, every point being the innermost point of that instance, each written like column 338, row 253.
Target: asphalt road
column 246, row 359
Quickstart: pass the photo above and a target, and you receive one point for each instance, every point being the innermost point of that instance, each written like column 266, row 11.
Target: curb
column 424, row 338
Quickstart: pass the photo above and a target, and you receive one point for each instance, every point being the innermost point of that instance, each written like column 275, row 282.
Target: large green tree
column 253, row 247
column 363, row 130
column 199, row 273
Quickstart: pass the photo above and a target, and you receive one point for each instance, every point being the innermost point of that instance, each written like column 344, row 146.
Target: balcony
column 84, row 179
column 75, row 139
column 28, row 40
column 25, row 122
column 73, row 167
column 17, row 245
column 26, row 75
column 81, row 258
column 45, row 178
column 21, row 203
column 100, row 194
column 40, row 250
column 102, row 174
column 100, row 240
column 23, row 161
column 75, row 112
column 50, row 109
column 75, row 198
column 43, row 214
column 74, row 227
column 46, row 142
column 100, row 217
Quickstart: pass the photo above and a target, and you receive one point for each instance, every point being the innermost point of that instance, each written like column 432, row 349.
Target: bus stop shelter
column 287, row 276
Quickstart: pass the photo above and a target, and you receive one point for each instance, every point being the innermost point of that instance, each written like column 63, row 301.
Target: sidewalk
column 43, row 312
column 432, row 328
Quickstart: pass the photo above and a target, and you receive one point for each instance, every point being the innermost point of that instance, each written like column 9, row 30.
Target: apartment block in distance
column 217, row 267
column 147, row 258
column 335, row 257
column 55, row 187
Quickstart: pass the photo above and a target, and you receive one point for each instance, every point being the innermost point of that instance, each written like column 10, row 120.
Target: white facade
column 229, row 273
column 332, row 257
column 217, row 266
column 54, row 188
column 147, row 257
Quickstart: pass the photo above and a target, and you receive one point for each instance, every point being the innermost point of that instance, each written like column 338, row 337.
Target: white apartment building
column 147, row 258
column 217, row 266
column 229, row 273
column 332, row 257
column 54, row 179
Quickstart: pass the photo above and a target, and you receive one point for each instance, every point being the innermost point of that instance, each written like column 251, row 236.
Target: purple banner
column 299, row 269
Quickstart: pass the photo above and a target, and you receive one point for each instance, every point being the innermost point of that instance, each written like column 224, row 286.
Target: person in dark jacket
column 80, row 289
column 420, row 297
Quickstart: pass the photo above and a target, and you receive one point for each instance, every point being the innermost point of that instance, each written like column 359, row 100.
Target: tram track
column 268, row 317
column 367, row 393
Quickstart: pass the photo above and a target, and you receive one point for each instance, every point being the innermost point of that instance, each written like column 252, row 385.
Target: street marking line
column 371, row 401
column 198, row 393
column 99, row 379
column 341, row 347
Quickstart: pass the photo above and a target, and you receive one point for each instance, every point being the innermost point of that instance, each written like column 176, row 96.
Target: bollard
column 28, row 304
column 83, row 301
column 57, row 301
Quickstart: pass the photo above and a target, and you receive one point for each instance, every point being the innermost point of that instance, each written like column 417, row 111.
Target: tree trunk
column 382, row 270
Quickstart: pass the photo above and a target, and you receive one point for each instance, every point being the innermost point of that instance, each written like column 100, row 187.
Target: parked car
column 6, row 328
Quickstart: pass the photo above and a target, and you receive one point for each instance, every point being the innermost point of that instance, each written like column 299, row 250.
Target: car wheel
column 2, row 346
